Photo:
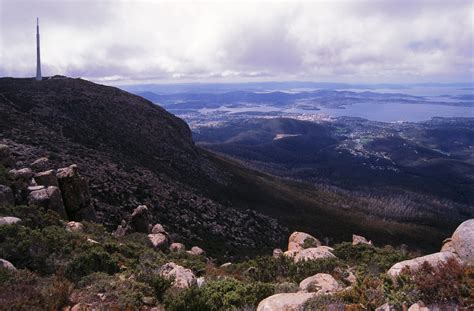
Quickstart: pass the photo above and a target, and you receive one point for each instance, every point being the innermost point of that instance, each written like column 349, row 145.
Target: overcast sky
column 340, row 41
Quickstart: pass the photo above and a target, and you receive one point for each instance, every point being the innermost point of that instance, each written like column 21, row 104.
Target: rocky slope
column 133, row 153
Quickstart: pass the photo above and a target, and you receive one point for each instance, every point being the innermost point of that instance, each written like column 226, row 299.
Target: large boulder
column 320, row 283
column 182, row 277
column 158, row 228
column 20, row 180
column 285, row 302
column 159, row 240
column 301, row 240
column 277, row 253
column 463, row 241
column 5, row 264
column 177, row 247
column 74, row 226
column 314, row 253
column 40, row 164
column 6, row 158
column 358, row 239
column 140, row 219
column 8, row 220
column 75, row 192
column 6, row 196
column 416, row 263
column 47, row 178
column 49, row 198
column 197, row 251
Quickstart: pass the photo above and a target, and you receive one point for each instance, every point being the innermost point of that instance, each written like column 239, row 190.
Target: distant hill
column 134, row 152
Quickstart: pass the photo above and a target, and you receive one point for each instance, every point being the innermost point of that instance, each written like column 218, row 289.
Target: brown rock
column 320, row 283
column 358, row 239
column 301, row 240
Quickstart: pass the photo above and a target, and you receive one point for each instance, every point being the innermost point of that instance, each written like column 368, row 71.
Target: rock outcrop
column 5, row 264
column 182, row 277
column 20, row 179
column 140, row 219
column 47, row 178
column 159, row 240
column 40, row 164
column 320, row 283
column 74, row 226
column 301, row 240
column 285, row 302
column 75, row 193
column 6, row 196
column 49, row 198
column 463, row 241
column 8, row 220
column 416, row 263
column 358, row 239
column 314, row 253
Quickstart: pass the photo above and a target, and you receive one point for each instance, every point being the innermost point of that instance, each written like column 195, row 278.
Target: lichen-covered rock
column 5, row 264
column 140, row 219
column 197, row 251
column 314, row 253
column 6, row 196
column 463, row 241
column 159, row 240
column 40, row 164
column 358, row 239
column 301, row 240
column 75, row 193
column 9, row 220
column 415, row 263
column 320, row 283
column 49, row 198
column 177, row 247
column 182, row 277
column 285, row 302
column 47, row 178
column 74, row 226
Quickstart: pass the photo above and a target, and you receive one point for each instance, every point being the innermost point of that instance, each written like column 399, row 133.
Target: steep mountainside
column 133, row 152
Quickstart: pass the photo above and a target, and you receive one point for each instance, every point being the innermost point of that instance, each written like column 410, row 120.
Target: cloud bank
column 347, row 41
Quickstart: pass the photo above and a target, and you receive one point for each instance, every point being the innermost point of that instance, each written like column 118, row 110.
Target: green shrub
column 190, row 299
column 310, row 242
column 324, row 303
column 91, row 259
column 286, row 287
column 304, row 269
column 32, row 216
column 3, row 175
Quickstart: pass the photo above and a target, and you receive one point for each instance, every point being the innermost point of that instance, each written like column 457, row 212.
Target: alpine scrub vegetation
column 56, row 267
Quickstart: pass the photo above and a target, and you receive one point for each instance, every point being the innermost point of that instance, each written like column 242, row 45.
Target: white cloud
column 379, row 41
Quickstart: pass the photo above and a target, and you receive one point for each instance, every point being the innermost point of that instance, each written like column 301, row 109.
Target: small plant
column 92, row 259
column 310, row 242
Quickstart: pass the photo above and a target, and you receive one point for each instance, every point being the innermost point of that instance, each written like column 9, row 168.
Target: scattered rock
column 40, row 164
column 23, row 174
column 177, row 247
column 6, row 196
column 20, row 179
column 75, row 192
column 75, row 226
column 182, row 277
column 419, row 306
column 149, row 301
column 415, row 263
column 47, row 178
column 159, row 240
column 140, row 220
column 320, row 283
column 227, row 264
column 6, row 158
column 301, row 240
column 8, row 220
column 314, row 253
column 49, row 198
column 285, row 302
column 358, row 239
column 200, row 281
column 463, row 241
column 277, row 253
column 122, row 229
column 89, row 240
column 5, row 264
column 197, row 251
column 158, row 228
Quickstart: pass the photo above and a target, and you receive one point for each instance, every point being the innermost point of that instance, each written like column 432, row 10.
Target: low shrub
column 91, row 259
